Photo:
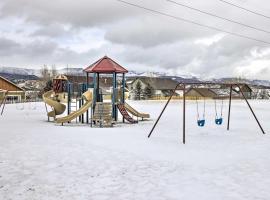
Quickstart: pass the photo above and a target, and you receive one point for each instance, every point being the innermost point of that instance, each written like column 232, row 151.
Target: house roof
column 105, row 65
column 61, row 77
column 158, row 83
column 204, row 92
column 1, row 90
column 11, row 83
column 246, row 88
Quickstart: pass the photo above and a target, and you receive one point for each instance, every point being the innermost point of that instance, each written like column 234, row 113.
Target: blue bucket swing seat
column 200, row 121
column 219, row 119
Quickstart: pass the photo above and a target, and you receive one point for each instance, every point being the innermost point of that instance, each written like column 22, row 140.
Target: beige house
column 199, row 93
column 15, row 93
column 161, row 87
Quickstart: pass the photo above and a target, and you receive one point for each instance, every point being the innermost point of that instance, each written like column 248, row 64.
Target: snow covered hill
column 79, row 72
column 19, row 71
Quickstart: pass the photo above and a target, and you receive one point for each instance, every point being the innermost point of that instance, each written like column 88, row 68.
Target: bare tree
column 45, row 74
column 53, row 71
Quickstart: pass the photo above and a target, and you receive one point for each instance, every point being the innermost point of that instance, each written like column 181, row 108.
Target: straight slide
column 134, row 112
column 123, row 111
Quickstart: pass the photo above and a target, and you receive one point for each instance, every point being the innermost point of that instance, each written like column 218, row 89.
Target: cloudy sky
column 77, row 33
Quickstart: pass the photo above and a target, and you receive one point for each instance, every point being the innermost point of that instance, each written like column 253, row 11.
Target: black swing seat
column 219, row 121
column 201, row 122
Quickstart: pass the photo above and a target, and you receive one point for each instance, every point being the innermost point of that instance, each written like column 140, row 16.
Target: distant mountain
column 261, row 82
column 16, row 77
column 71, row 71
column 186, row 80
column 13, row 73
column 19, row 71
column 247, row 81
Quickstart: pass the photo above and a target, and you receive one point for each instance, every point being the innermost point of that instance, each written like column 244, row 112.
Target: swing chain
column 198, row 114
column 221, row 109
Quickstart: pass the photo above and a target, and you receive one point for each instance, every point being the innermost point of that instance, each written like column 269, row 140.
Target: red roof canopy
column 105, row 65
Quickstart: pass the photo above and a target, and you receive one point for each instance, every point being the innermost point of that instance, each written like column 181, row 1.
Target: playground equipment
column 77, row 96
column 78, row 100
column 200, row 121
column 219, row 117
column 109, row 67
column 3, row 97
column 102, row 115
column 54, row 97
column 182, row 86
column 87, row 96
column 123, row 111
column 136, row 113
column 57, row 108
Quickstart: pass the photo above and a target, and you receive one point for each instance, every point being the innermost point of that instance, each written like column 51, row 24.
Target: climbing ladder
column 73, row 106
column 102, row 115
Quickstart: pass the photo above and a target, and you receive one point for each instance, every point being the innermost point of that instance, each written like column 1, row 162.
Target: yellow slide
column 135, row 112
column 58, row 108
column 88, row 97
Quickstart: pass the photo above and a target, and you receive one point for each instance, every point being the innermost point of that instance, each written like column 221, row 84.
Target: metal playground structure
column 218, row 119
column 3, row 101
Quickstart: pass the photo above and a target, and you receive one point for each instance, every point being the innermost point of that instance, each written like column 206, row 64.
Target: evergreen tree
column 148, row 91
column 138, row 90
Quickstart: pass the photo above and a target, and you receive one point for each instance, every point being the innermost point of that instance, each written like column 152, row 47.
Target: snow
column 41, row 160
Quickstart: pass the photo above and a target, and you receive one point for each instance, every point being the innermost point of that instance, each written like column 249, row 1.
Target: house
column 2, row 95
column 160, row 87
column 245, row 89
column 15, row 93
column 199, row 93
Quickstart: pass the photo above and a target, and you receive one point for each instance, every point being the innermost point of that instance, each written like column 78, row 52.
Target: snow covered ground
column 43, row 161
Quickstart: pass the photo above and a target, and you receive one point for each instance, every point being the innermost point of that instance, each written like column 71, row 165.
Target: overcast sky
column 61, row 32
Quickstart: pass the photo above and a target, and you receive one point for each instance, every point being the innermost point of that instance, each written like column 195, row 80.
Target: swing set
column 201, row 119
column 3, row 103
column 218, row 117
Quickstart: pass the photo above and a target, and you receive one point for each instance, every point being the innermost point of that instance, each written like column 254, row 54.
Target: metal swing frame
column 182, row 86
column 3, row 103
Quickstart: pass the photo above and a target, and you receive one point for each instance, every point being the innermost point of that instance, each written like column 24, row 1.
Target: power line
column 248, row 10
column 192, row 22
column 213, row 15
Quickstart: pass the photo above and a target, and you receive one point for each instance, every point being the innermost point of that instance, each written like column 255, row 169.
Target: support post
column 3, row 104
column 114, row 111
column 251, row 109
column 87, row 86
column 168, row 101
column 229, row 112
column 69, row 98
column 184, row 114
column 123, row 93
column 87, row 80
column 97, row 89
